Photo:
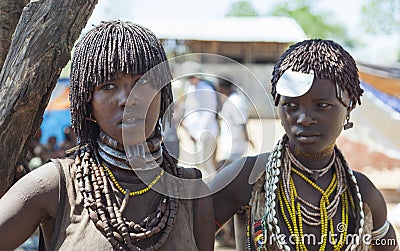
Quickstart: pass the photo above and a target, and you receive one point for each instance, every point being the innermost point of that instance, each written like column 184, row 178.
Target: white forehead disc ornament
column 294, row 83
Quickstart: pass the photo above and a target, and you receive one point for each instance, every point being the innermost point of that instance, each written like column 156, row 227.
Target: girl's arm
column 373, row 197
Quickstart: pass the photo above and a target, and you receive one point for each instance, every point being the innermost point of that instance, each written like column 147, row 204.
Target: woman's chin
column 133, row 135
column 131, row 139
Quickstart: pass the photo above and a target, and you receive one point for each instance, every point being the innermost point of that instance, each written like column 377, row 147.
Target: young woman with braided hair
column 121, row 190
column 303, row 195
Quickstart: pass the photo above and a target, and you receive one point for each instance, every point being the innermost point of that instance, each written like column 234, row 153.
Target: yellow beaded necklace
column 297, row 211
column 294, row 210
column 134, row 193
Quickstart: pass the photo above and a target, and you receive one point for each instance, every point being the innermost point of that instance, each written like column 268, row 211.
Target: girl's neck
column 313, row 161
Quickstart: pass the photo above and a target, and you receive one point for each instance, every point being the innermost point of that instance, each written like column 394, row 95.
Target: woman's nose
column 126, row 98
column 305, row 118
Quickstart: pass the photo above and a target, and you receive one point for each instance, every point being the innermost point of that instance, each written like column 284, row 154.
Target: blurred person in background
column 200, row 121
column 70, row 139
column 234, row 139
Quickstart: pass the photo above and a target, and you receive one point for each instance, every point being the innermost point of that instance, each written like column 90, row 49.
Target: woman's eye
column 107, row 86
column 141, row 81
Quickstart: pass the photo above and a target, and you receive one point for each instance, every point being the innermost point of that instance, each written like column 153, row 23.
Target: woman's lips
column 131, row 123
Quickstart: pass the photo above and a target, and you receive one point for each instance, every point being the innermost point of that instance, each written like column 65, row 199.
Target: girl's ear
column 350, row 107
column 348, row 123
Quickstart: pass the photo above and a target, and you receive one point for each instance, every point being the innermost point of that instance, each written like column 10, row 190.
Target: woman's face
column 128, row 104
column 314, row 120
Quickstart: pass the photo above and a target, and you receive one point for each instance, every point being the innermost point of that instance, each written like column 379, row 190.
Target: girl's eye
column 141, row 81
column 323, row 105
column 289, row 104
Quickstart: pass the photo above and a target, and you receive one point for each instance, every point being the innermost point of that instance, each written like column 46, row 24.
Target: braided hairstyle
column 327, row 59
column 108, row 49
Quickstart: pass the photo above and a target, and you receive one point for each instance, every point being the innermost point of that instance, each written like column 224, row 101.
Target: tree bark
column 41, row 47
column 10, row 11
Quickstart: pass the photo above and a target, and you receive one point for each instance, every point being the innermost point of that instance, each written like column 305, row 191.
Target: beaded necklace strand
column 133, row 193
column 311, row 212
column 325, row 220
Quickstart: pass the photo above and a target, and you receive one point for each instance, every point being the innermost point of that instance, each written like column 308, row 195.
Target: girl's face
column 314, row 120
column 128, row 104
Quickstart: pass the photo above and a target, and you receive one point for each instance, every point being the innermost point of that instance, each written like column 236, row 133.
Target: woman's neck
column 149, row 153
column 111, row 142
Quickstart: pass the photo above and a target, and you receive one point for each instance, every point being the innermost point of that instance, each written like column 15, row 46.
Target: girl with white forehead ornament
column 305, row 196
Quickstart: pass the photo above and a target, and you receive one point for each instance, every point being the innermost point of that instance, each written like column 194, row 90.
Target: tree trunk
column 10, row 11
column 40, row 49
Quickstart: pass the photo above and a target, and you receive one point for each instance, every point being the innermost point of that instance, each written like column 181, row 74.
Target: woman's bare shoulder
column 28, row 202
column 45, row 177
column 38, row 189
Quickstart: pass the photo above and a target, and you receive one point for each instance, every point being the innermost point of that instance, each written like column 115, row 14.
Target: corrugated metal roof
column 233, row 29
column 380, row 70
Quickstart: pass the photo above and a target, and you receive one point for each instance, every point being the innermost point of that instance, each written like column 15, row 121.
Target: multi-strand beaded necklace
column 107, row 213
column 281, row 196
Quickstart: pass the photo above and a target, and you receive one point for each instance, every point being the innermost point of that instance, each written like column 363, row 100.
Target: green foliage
column 381, row 16
column 315, row 25
column 242, row 8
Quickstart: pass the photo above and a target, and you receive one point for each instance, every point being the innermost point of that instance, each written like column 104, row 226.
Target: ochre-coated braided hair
column 327, row 59
column 109, row 49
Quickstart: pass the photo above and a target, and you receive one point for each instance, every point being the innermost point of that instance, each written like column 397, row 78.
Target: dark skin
column 34, row 199
column 312, row 121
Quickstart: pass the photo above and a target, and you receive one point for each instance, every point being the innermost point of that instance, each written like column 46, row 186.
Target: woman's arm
column 231, row 188
column 373, row 197
column 29, row 201
column 204, row 227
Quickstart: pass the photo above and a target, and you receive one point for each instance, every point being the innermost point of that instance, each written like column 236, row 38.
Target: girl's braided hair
column 327, row 59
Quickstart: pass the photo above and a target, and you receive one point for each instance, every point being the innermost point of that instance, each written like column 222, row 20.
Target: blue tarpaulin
column 57, row 115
